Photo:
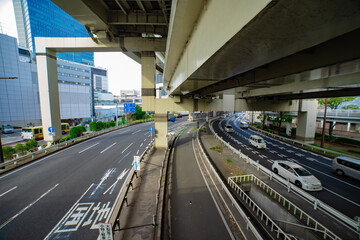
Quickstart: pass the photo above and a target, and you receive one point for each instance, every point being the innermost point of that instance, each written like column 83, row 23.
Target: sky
column 123, row 72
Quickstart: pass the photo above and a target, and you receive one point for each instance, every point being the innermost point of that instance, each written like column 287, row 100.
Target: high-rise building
column 19, row 91
column 43, row 18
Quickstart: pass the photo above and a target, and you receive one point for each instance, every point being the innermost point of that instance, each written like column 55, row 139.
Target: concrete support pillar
column 229, row 100
column 161, row 129
column 348, row 127
column 49, row 95
column 306, row 121
column 148, row 69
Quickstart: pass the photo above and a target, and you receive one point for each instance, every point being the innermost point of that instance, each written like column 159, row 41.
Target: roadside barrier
column 355, row 225
column 7, row 165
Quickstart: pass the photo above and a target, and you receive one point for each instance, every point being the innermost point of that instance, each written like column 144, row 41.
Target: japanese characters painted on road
column 105, row 231
column 137, row 163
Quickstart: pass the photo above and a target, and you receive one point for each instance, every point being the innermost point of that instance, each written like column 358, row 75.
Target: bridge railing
column 43, row 152
column 355, row 225
column 295, row 210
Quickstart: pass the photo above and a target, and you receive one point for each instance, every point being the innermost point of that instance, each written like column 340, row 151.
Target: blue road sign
column 129, row 107
column 151, row 129
column 51, row 129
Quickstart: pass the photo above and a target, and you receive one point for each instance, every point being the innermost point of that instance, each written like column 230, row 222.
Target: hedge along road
column 65, row 195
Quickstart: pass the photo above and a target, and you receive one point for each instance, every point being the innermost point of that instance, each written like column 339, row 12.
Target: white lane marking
column 57, row 225
column 311, row 159
column 136, row 132
column 27, row 207
column 262, row 156
column 290, row 151
column 141, row 144
column 145, row 139
column 342, row 197
column 88, row 148
column 270, row 161
column 108, row 147
column 282, row 155
column 299, row 154
column 112, row 187
column 137, row 152
column 127, row 148
column 8, row 191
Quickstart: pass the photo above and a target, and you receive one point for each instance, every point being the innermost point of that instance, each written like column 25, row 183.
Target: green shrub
column 99, row 125
column 92, row 126
column 75, row 132
column 65, row 138
column 20, row 148
column 31, row 145
column 8, row 152
column 112, row 123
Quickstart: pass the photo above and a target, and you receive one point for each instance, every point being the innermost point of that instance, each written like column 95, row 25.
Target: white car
column 228, row 128
column 296, row 174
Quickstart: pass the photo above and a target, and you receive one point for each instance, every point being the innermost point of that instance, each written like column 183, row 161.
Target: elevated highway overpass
column 215, row 55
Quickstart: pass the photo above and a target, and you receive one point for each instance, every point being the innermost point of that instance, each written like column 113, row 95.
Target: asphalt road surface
column 65, row 195
column 194, row 214
column 341, row 193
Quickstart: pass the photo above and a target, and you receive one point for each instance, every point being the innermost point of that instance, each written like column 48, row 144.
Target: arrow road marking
column 106, row 175
column 112, row 187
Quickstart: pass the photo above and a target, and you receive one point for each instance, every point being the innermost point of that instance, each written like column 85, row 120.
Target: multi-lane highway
column 65, row 195
column 341, row 193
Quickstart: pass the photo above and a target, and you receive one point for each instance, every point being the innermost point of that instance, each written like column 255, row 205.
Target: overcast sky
column 123, row 72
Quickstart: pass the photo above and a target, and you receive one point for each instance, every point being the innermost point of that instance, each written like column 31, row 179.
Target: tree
column 20, row 148
column 351, row 107
column 333, row 104
column 8, row 152
column 139, row 114
column 31, row 145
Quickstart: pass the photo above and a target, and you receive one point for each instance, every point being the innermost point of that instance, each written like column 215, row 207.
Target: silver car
column 228, row 128
column 296, row 174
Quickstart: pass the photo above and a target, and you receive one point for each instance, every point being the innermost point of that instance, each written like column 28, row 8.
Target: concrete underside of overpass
column 218, row 57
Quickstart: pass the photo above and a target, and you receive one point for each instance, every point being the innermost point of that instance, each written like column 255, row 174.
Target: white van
column 244, row 125
column 346, row 166
column 257, row 141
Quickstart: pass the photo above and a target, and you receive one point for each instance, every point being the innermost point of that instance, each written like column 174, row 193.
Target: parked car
column 244, row 125
column 346, row 166
column 296, row 174
column 228, row 128
column 8, row 129
column 257, row 141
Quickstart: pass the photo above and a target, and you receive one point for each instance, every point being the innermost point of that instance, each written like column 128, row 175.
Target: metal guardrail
column 316, row 202
column 298, row 143
column 228, row 193
column 310, row 221
column 51, row 149
column 115, row 218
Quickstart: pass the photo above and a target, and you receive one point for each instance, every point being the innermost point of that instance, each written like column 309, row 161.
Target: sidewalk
column 136, row 220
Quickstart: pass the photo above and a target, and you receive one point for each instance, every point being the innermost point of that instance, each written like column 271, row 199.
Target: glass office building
column 42, row 18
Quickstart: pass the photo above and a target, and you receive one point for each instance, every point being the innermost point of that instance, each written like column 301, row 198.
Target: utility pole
column 324, row 124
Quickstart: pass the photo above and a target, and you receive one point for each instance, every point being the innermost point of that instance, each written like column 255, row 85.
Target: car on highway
column 8, row 129
column 244, row 125
column 257, row 141
column 296, row 174
column 228, row 128
column 348, row 166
